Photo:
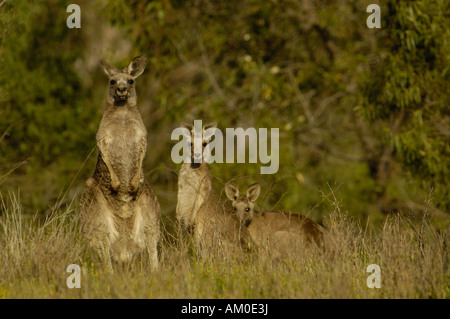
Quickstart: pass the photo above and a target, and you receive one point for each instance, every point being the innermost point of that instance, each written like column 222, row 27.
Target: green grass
column 413, row 256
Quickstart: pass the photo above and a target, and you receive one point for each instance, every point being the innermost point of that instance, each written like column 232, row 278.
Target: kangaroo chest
column 124, row 138
column 193, row 188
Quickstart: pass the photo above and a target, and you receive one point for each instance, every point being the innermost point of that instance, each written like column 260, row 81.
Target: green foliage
column 405, row 96
column 44, row 105
column 335, row 88
column 254, row 65
column 43, row 91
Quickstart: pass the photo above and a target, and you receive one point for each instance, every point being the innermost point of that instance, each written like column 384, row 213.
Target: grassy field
column 413, row 257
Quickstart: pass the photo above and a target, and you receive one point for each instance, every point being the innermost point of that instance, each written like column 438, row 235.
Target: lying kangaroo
column 280, row 234
column 119, row 212
column 200, row 209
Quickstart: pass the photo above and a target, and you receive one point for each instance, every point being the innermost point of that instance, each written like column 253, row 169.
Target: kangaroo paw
column 115, row 183
column 135, row 183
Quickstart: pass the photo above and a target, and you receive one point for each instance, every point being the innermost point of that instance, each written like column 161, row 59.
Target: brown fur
column 277, row 233
column 119, row 212
column 200, row 209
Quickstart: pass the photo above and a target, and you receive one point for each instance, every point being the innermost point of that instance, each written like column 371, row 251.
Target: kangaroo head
column 204, row 140
column 121, row 82
column 243, row 205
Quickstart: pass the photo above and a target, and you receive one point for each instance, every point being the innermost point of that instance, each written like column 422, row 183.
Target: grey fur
column 120, row 214
column 218, row 233
column 278, row 234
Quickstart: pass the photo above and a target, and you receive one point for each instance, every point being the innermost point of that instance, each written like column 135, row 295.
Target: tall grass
column 413, row 257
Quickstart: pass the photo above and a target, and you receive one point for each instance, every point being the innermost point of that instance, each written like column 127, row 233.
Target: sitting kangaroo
column 276, row 232
column 200, row 209
column 120, row 215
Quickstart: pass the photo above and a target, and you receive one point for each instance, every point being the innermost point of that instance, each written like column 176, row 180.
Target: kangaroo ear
column 208, row 134
column 188, row 126
column 253, row 192
column 231, row 191
column 209, row 125
column 109, row 69
column 137, row 66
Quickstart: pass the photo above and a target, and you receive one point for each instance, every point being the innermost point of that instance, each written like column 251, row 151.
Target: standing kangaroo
column 120, row 215
column 200, row 209
column 278, row 233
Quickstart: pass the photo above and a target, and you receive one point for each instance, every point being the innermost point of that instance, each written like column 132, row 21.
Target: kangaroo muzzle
column 122, row 93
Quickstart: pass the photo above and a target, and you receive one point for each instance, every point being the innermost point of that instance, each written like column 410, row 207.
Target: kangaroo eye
column 247, row 209
column 234, row 208
column 112, row 82
column 130, row 81
column 204, row 144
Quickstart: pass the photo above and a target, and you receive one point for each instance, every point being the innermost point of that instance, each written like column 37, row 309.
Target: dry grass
column 413, row 257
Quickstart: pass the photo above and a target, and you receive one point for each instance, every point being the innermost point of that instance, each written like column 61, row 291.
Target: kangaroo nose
column 121, row 89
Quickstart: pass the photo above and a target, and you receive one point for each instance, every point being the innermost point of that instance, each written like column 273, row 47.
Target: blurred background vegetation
column 362, row 111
